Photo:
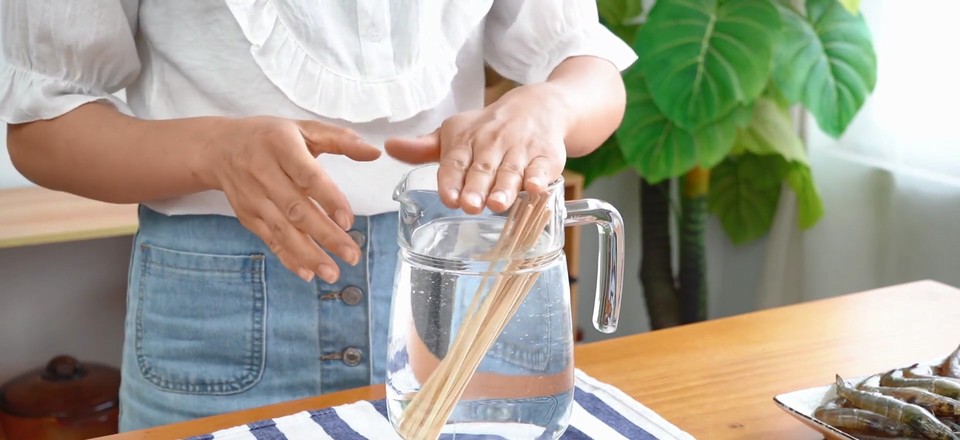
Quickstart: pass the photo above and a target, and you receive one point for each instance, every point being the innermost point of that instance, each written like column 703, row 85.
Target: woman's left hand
column 487, row 156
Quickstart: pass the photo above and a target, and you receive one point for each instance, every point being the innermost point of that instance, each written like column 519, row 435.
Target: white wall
column 62, row 299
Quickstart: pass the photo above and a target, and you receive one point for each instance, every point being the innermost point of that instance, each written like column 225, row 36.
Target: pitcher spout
column 400, row 190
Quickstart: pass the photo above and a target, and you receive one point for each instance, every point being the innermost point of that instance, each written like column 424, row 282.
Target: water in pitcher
column 523, row 388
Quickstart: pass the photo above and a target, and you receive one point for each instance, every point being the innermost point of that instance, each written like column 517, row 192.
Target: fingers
column 325, row 138
column 484, row 164
column 295, row 228
column 307, row 217
column 509, row 180
column 290, row 243
column 455, row 159
column 501, row 167
column 418, row 150
column 295, row 251
column 279, row 192
column 488, row 152
column 326, row 220
column 260, row 228
column 540, row 173
column 309, row 178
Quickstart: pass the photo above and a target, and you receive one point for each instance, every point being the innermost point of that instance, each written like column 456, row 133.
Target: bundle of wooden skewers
column 500, row 293
column 919, row 401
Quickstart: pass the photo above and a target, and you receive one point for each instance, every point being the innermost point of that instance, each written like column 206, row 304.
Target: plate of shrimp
column 920, row 401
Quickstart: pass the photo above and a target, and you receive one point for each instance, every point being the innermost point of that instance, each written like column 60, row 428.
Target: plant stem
column 693, row 261
column 656, row 266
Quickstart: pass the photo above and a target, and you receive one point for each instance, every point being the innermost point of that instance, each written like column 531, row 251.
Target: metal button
column 358, row 237
column 351, row 295
column 352, row 356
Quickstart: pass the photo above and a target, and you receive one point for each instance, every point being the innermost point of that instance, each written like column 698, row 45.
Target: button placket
column 373, row 25
column 344, row 322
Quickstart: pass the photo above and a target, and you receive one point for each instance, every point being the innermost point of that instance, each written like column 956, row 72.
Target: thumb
column 417, row 150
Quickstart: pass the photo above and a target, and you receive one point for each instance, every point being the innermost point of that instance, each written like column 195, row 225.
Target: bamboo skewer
column 487, row 316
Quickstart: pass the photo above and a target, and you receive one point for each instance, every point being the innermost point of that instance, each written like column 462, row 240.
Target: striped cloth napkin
column 600, row 412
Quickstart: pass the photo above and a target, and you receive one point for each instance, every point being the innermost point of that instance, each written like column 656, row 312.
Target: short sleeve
column 525, row 40
column 60, row 54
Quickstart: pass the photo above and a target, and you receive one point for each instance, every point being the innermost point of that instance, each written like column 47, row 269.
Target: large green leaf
column 606, row 160
column 703, row 58
column 851, row 5
column 826, row 61
column 809, row 205
column 744, row 192
column 618, row 16
column 771, row 132
column 657, row 148
column 773, row 93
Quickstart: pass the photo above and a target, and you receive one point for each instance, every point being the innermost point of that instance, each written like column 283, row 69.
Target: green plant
column 708, row 105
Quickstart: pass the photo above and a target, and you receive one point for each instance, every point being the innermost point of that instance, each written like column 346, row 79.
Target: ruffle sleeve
column 61, row 54
column 526, row 40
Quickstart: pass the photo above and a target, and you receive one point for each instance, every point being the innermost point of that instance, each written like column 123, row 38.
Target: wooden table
column 716, row 379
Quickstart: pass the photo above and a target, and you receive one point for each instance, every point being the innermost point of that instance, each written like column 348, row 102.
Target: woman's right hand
column 268, row 170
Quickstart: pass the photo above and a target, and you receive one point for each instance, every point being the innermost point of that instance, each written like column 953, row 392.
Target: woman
column 251, row 136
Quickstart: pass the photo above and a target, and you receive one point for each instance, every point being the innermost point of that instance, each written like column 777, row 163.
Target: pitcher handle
column 606, row 308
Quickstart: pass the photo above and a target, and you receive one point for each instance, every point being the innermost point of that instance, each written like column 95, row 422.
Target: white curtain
column 890, row 185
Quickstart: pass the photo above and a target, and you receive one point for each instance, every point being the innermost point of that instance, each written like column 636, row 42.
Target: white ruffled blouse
column 381, row 67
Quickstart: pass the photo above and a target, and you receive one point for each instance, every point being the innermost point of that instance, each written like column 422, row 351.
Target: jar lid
column 64, row 388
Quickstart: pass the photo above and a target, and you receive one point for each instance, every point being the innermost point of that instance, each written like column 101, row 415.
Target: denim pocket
column 525, row 346
column 200, row 320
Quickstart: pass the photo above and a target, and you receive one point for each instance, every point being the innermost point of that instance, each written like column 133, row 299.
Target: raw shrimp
column 861, row 421
column 935, row 403
column 952, row 425
column 951, row 365
column 941, row 386
column 905, row 413
column 918, row 371
column 876, row 437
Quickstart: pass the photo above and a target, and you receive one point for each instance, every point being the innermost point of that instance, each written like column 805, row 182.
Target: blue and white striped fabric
column 600, row 412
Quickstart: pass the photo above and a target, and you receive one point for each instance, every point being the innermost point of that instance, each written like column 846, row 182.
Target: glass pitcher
column 523, row 384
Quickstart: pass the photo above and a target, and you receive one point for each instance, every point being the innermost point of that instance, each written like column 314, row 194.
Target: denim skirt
column 215, row 323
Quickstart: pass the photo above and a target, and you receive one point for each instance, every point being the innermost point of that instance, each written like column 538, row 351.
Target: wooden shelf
column 33, row 215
